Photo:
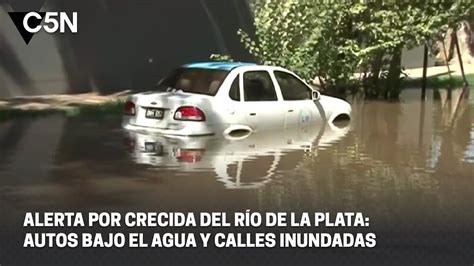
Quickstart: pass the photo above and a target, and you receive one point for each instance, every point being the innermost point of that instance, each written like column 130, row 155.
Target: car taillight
column 129, row 108
column 189, row 113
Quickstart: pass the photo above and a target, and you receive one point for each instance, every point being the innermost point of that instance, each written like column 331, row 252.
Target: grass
column 439, row 82
column 109, row 108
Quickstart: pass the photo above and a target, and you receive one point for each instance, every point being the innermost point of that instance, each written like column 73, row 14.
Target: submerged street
column 407, row 165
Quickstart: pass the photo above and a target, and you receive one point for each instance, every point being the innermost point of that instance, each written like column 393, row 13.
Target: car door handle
column 253, row 114
column 290, row 111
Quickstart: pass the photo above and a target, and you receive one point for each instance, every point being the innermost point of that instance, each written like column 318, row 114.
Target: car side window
column 234, row 92
column 258, row 86
column 291, row 87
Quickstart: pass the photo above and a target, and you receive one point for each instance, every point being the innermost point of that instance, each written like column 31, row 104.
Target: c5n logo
column 29, row 23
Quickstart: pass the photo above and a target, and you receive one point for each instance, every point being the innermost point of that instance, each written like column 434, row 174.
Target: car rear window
column 194, row 80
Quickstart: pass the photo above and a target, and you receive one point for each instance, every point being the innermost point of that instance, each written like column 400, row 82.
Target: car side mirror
column 315, row 95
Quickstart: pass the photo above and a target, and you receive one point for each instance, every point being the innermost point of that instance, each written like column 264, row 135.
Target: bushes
column 332, row 40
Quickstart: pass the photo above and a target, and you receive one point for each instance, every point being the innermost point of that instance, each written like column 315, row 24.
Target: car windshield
column 194, row 80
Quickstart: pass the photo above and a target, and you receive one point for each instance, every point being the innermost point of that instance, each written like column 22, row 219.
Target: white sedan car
column 233, row 99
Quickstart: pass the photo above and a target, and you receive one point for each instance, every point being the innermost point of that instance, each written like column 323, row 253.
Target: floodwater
column 407, row 165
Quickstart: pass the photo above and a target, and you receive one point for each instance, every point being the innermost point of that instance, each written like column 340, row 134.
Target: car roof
column 218, row 65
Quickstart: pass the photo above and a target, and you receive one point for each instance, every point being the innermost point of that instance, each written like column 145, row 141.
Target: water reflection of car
column 215, row 98
column 263, row 153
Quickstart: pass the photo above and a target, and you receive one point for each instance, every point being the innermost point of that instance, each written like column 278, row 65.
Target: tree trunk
column 425, row 69
column 446, row 47
column 447, row 62
column 456, row 42
column 376, row 67
column 393, row 82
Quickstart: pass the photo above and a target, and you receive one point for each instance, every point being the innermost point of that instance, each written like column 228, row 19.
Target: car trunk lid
column 156, row 109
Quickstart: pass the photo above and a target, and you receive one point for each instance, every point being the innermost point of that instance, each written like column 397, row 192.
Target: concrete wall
column 120, row 45
column 413, row 58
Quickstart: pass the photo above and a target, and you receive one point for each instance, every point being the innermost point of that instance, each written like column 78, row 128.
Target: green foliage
column 332, row 40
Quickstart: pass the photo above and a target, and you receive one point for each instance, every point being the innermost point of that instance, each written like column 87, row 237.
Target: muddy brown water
column 407, row 165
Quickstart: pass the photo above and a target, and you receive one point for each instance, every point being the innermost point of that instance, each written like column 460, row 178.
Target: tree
column 332, row 41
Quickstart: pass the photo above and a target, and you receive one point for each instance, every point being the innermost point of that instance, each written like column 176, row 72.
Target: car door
column 261, row 102
column 297, row 96
column 234, row 104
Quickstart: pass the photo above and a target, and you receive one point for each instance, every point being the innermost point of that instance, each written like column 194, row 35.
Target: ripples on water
column 407, row 165
column 388, row 150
